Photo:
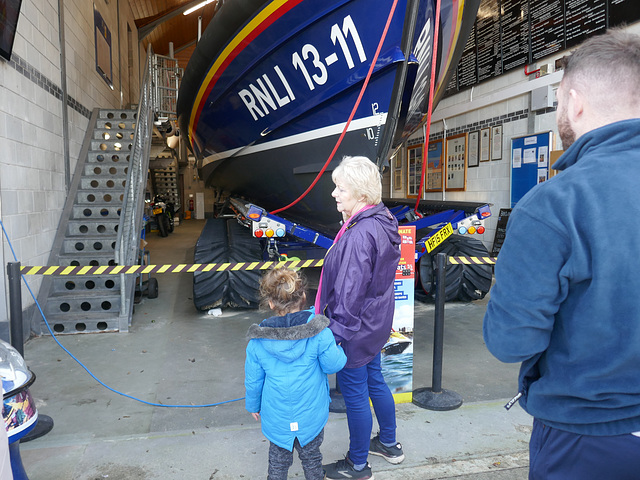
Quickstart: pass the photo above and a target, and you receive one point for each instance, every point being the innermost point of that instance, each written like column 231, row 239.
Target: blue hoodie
column 565, row 302
column 288, row 359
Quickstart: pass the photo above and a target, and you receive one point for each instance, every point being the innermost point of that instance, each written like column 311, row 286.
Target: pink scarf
column 343, row 229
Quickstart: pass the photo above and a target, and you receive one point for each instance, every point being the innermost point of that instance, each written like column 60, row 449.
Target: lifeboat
column 277, row 92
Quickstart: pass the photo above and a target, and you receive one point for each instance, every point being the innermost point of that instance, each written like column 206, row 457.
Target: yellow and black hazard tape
column 182, row 268
column 205, row 267
column 472, row 260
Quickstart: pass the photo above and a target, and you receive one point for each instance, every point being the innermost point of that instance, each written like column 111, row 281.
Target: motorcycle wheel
column 163, row 224
column 170, row 224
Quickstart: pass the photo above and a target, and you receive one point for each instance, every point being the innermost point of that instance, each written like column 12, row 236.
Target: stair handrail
column 131, row 215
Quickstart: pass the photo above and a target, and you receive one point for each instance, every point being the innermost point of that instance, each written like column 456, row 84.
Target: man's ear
column 575, row 107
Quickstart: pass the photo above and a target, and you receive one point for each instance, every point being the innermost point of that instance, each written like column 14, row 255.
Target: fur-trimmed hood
column 286, row 337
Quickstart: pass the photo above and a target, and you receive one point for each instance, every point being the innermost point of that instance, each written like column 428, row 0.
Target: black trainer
column 393, row 454
column 344, row 469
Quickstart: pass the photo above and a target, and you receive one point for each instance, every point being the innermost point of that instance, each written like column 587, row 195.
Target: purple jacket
column 357, row 284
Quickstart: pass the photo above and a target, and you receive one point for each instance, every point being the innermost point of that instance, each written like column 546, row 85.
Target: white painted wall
column 32, row 165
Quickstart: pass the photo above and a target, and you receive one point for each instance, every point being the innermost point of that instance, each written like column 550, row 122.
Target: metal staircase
column 101, row 222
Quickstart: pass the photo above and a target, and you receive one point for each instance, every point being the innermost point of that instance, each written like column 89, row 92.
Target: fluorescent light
column 200, row 5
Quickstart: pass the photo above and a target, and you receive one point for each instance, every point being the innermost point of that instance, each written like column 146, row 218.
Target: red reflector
column 258, row 233
column 480, row 230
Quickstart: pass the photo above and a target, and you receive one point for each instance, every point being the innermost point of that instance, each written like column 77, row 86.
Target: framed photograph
column 456, row 163
column 496, row 142
column 485, row 144
column 398, row 178
column 435, row 162
column 473, row 154
column 414, row 170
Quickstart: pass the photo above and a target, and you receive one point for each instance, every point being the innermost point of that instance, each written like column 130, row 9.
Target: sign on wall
column 529, row 163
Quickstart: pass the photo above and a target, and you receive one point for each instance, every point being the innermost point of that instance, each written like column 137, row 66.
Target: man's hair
column 607, row 66
column 362, row 177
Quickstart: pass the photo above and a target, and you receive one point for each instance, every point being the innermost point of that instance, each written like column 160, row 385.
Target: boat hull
column 272, row 85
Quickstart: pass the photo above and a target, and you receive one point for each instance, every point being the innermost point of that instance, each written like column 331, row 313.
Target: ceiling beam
column 148, row 24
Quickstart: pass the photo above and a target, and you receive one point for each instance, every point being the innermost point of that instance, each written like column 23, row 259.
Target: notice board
column 529, row 163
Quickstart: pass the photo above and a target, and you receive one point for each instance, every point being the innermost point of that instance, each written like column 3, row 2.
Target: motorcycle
column 164, row 212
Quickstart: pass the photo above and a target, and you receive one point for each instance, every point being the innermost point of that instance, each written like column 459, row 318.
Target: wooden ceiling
column 162, row 21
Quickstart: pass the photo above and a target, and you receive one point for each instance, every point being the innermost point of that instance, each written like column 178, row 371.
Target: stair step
column 77, row 284
column 82, row 323
column 100, row 157
column 86, row 259
column 92, row 226
column 112, row 145
column 119, row 169
column 107, row 213
column 96, row 245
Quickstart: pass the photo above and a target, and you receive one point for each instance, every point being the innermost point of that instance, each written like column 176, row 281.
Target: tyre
column 209, row 288
column 152, row 288
column 163, row 226
column 462, row 282
column 170, row 224
column 226, row 241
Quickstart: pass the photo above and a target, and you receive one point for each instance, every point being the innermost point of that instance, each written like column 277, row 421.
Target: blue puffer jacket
column 288, row 359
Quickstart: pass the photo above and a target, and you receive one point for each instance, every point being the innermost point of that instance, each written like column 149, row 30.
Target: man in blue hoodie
column 567, row 278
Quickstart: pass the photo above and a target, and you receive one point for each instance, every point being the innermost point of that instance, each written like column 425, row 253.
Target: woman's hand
column 256, row 416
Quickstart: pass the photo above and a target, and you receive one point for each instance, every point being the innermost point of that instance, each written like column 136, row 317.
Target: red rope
column 425, row 151
column 353, row 112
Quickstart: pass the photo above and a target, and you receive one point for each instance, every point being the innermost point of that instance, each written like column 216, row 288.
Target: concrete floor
column 176, row 355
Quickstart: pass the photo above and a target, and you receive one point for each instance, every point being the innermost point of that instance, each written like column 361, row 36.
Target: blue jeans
column 357, row 385
column 558, row 455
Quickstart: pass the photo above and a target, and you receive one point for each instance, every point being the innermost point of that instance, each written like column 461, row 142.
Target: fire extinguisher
column 191, row 204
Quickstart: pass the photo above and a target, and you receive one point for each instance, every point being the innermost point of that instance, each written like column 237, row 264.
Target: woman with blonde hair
column 356, row 293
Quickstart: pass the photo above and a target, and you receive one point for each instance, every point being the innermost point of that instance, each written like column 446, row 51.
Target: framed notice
column 496, row 142
column 435, row 166
column 456, row 162
column 485, row 144
column 473, row 153
column 414, row 170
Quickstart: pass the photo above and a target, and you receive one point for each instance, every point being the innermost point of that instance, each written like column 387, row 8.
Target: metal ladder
column 101, row 223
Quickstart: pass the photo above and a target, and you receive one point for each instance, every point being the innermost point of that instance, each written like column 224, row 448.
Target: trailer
column 246, row 232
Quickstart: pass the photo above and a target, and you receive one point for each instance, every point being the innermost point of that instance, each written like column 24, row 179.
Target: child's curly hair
column 285, row 288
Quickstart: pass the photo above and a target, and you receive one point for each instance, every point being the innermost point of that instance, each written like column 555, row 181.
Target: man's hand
column 256, row 416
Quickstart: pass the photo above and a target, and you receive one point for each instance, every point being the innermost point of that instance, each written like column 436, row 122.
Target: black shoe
column 344, row 469
column 393, row 454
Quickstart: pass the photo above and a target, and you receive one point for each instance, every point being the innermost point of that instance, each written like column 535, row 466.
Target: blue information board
column 529, row 163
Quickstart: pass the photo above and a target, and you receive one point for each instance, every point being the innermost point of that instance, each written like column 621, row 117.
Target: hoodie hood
column 286, row 337
column 609, row 139
column 381, row 214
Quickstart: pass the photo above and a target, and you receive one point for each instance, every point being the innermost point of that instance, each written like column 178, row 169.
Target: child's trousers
column 280, row 459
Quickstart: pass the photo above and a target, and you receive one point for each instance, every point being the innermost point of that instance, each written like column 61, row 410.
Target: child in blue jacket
column 288, row 359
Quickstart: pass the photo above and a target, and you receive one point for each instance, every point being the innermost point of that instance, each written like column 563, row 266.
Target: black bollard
column 436, row 398
column 15, row 307
column 45, row 423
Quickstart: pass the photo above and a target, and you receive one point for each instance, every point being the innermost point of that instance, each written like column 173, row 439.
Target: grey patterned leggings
column 280, row 459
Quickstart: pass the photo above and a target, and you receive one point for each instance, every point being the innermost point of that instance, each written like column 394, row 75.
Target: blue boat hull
column 272, row 85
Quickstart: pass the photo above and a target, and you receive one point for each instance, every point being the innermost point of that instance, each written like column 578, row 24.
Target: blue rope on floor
column 153, row 404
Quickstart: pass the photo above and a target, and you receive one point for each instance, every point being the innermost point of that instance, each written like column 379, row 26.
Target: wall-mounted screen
column 9, row 13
